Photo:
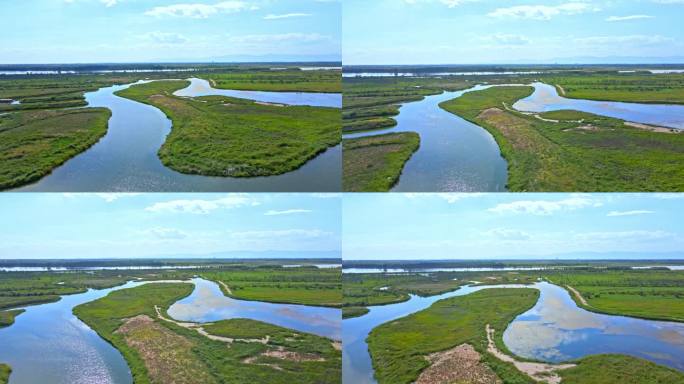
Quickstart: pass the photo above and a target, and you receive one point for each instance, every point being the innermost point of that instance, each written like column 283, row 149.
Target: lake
column 545, row 98
column 125, row 160
column 454, row 155
column 207, row 303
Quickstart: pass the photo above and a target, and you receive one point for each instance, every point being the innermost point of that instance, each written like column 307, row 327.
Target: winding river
column 545, row 98
column 125, row 159
column 554, row 330
column 48, row 344
column 454, row 155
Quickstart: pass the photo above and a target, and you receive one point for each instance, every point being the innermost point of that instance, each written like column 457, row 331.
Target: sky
column 113, row 31
column 71, row 226
column 512, row 226
column 512, row 31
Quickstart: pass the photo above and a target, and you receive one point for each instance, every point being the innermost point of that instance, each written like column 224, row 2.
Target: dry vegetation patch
column 460, row 364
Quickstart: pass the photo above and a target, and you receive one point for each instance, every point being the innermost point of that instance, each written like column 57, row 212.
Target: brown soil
column 457, row 365
column 167, row 356
column 652, row 128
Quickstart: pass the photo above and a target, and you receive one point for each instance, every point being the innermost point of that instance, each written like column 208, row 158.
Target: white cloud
column 638, row 235
column 286, row 16
column 165, row 38
column 542, row 12
column 198, row 10
column 669, row 1
column 507, row 39
column 630, row 17
column 166, row 233
column 200, row 206
column 448, row 3
column 507, row 234
column 545, row 207
column 286, row 212
column 287, row 233
column 628, row 213
column 625, row 39
column 282, row 37
column 107, row 3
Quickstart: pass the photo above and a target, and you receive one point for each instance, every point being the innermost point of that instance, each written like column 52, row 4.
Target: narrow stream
column 455, row 155
column 545, row 98
column 125, row 159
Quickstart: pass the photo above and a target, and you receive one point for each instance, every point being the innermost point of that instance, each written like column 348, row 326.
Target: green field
column 307, row 286
column 619, row 369
column 398, row 348
column 368, row 289
column 595, row 154
column 159, row 351
column 7, row 317
column 629, row 87
column 34, row 142
column 291, row 80
column 223, row 136
column 5, row 372
column 374, row 163
column 651, row 294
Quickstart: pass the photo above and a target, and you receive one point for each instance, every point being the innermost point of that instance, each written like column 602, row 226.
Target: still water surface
column 545, row 98
column 454, row 155
column 125, row 160
column 207, row 303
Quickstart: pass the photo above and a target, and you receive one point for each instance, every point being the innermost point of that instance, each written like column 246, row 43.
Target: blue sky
column 91, row 31
column 151, row 225
column 491, row 226
column 512, row 31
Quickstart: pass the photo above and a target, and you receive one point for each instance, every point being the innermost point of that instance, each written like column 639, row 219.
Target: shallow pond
column 125, row 160
column 556, row 330
column 48, row 344
column 454, row 155
column 207, row 303
column 545, row 98
column 201, row 87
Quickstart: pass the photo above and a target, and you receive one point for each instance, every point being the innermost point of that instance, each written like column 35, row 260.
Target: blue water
column 545, row 98
column 207, row 303
column 125, row 160
column 201, row 87
column 454, row 155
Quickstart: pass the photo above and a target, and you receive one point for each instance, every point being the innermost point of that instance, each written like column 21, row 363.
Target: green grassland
column 619, row 369
column 651, row 294
column 364, row 289
column 374, row 163
column 398, row 348
column 307, row 286
column 158, row 350
column 34, row 142
column 596, row 154
column 222, row 136
column 291, row 80
column 628, row 87
column 7, row 317
column 5, row 372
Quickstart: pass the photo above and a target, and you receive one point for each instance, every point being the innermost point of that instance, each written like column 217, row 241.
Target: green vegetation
column 290, row 80
column 374, row 163
column 306, row 285
column 650, row 294
column 5, row 372
column 159, row 350
column 619, row 369
column 7, row 317
column 368, row 289
column 629, row 87
column 34, row 142
column 595, row 154
column 222, row 136
column 398, row 348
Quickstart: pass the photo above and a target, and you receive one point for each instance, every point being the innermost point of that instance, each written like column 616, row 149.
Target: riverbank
column 597, row 154
column 375, row 163
column 222, row 136
column 5, row 372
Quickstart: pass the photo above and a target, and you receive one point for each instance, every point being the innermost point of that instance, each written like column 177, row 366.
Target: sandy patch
column 460, row 364
column 337, row 345
column 226, row 287
column 541, row 372
column 578, row 295
column 269, row 104
column 562, row 91
column 652, row 128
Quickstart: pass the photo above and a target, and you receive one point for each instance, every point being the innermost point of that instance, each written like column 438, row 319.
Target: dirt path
column 652, row 128
column 226, row 287
column 541, row 372
column 561, row 89
column 578, row 295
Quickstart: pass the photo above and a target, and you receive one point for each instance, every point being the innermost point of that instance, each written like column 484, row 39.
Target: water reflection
column 557, row 330
column 454, row 155
column 208, row 303
column 545, row 98
column 201, row 87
